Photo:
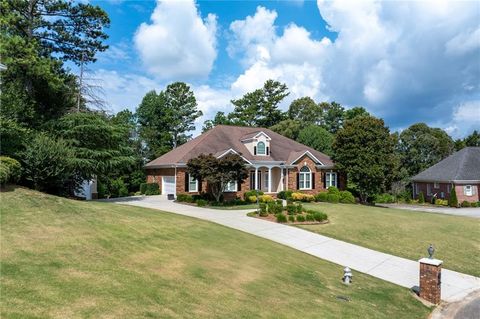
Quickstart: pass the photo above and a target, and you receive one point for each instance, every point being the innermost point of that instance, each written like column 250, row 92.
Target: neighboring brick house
column 460, row 170
column 275, row 163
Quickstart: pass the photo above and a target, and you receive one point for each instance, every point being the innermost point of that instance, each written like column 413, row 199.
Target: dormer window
column 261, row 148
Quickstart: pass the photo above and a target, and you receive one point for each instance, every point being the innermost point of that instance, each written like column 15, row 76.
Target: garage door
column 168, row 185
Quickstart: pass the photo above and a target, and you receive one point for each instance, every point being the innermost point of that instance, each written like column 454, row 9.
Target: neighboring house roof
column 463, row 165
column 224, row 137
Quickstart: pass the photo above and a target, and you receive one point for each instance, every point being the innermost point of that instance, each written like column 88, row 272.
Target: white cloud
column 405, row 61
column 177, row 44
column 466, row 118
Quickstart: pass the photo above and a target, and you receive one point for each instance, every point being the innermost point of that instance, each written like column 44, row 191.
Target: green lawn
column 405, row 233
column 63, row 259
column 237, row 207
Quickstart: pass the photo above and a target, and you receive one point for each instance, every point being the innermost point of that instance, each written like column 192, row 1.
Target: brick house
column 275, row 163
column 460, row 170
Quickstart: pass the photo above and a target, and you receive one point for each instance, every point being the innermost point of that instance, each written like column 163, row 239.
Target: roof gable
column 222, row 138
column 463, row 165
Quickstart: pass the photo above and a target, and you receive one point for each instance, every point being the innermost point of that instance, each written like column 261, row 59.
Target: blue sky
column 407, row 62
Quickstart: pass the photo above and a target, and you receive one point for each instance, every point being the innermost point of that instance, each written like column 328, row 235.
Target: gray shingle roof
column 463, row 165
column 222, row 137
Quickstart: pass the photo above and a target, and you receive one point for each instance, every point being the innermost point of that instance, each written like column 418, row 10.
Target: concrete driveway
column 400, row 271
column 464, row 211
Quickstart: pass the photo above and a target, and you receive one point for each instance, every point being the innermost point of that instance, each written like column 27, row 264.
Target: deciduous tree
column 364, row 150
column 217, row 172
column 317, row 138
column 305, row 110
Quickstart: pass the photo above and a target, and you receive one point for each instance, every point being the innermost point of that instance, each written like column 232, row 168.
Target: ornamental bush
column 201, row 202
column 291, row 209
column 384, row 198
column 300, row 218
column 281, row 218
column 263, row 208
column 152, row 189
column 320, row 216
column 143, row 188
column 346, row 197
column 466, row 204
column 252, row 199
column 421, row 198
column 13, row 167
column 285, row 194
column 333, row 198
column 303, row 197
column 321, row 197
column 441, row 202
column 309, row 218
column 452, row 200
column 291, row 218
column 266, row 199
column 185, row 198
column 253, row 192
column 299, row 208
column 275, row 208
column 333, row 190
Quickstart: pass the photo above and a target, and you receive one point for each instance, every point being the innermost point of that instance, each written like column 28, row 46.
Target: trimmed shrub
column 14, row 168
column 321, row 197
column 309, row 218
column 249, row 193
column 466, row 204
column 285, row 194
column 299, row 208
column 291, row 209
column 4, row 174
column 333, row 198
column 275, row 208
column 303, row 197
column 346, row 197
column 266, row 199
column 421, row 198
column 152, row 189
column 143, row 188
column 281, row 218
column 384, row 198
column 300, row 218
column 452, row 200
column 201, row 202
column 333, row 190
column 291, row 218
column 441, row 202
column 252, row 199
column 320, row 216
column 263, row 208
column 185, row 198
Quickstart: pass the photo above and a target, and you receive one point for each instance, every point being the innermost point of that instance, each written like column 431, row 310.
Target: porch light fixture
column 431, row 251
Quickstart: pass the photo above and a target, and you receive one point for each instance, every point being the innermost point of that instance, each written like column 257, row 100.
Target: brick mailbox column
column 430, row 279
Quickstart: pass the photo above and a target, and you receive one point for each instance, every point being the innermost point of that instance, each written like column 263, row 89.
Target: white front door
column 168, row 185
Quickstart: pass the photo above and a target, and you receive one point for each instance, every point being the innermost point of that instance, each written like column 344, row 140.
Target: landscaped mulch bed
column 272, row 218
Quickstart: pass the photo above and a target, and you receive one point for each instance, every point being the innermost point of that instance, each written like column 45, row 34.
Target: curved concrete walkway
column 400, row 271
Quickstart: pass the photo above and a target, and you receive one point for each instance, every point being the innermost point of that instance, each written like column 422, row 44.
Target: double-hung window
column 436, row 185
column 305, row 178
column 230, row 186
column 330, row 179
column 468, row 190
column 192, row 184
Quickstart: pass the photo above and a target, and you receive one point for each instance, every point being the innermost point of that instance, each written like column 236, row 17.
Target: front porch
column 268, row 179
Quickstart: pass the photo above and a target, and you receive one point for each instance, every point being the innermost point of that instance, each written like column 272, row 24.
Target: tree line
column 48, row 125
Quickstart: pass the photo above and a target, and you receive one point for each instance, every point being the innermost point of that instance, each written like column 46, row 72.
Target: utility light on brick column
column 430, row 277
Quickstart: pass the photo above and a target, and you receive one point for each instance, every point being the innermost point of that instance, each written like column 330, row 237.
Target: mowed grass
column 405, row 233
column 69, row 259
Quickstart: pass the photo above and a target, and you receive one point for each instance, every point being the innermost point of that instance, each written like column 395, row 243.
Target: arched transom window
column 305, row 178
column 260, row 148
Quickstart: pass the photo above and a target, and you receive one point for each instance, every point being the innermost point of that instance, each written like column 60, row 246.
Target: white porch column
column 269, row 179
column 256, row 178
column 286, row 182
column 282, row 179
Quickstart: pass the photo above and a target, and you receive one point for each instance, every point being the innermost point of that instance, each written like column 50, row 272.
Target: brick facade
column 430, row 282
column 155, row 175
column 443, row 191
